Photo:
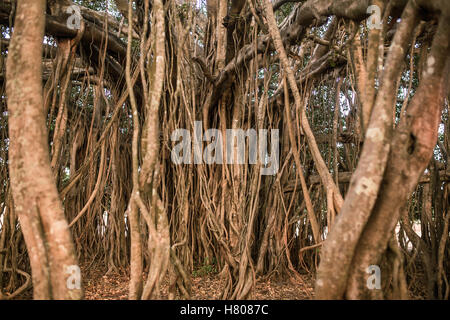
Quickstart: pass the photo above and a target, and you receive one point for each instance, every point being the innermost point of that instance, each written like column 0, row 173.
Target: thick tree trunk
column 34, row 191
column 412, row 148
column 389, row 169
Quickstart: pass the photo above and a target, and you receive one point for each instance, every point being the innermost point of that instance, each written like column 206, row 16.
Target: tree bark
column 388, row 170
column 33, row 187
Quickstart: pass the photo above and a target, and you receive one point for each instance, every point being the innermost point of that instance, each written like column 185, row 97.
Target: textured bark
column 327, row 180
column 389, row 168
column 34, row 191
column 136, row 258
column 373, row 55
column 319, row 76
column 340, row 246
column 412, row 148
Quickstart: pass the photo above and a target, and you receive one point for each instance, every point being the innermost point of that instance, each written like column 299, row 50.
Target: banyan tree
column 115, row 145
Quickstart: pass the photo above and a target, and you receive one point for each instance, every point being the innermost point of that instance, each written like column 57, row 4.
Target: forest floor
column 100, row 285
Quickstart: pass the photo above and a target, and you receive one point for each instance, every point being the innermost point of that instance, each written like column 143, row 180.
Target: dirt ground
column 114, row 286
column 100, row 285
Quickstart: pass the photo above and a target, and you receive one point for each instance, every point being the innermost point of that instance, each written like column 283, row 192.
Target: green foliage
column 101, row 6
column 97, row 5
column 206, row 268
column 284, row 11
